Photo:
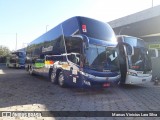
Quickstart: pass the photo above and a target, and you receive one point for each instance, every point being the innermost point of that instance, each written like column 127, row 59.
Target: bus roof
column 79, row 22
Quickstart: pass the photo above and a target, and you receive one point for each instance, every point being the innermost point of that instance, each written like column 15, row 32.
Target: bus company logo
column 84, row 28
column 6, row 114
column 50, row 48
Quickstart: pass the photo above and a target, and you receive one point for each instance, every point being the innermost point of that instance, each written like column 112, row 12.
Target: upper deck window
column 95, row 29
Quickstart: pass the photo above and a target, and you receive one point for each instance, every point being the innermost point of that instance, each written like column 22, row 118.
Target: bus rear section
column 135, row 64
column 16, row 60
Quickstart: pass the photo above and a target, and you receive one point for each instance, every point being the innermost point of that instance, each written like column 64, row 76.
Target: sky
column 25, row 20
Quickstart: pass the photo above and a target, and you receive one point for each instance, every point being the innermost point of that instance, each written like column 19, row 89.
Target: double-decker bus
column 16, row 59
column 135, row 67
column 79, row 52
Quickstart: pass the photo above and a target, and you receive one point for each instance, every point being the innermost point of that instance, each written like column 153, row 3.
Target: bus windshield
column 101, row 58
column 140, row 61
column 96, row 29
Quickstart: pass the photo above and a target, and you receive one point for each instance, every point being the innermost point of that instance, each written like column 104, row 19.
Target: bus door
column 74, row 49
column 74, row 60
column 125, row 53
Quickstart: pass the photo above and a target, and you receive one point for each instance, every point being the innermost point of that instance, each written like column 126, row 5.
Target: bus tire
column 53, row 77
column 61, row 80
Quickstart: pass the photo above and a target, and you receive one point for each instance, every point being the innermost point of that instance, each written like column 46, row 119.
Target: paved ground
column 21, row 92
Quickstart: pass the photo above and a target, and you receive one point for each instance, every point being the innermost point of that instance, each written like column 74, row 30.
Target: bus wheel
column 31, row 70
column 61, row 80
column 53, row 77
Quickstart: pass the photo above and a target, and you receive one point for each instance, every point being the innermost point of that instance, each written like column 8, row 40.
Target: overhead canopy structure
column 144, row 24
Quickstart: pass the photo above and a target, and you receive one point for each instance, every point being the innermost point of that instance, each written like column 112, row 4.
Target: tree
column 4, row 51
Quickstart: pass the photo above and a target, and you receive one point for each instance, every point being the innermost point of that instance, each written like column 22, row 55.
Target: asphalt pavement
column 20, row 91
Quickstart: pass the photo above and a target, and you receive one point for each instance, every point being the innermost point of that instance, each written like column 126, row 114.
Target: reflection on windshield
column 133, row 41
column 140, row 60
column 101, row 58
column 96, row 29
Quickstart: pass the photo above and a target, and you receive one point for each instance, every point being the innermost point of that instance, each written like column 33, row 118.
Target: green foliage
column 4, row 51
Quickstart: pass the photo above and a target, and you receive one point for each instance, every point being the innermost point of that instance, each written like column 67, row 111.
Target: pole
column 46, row 27
column 152, row 3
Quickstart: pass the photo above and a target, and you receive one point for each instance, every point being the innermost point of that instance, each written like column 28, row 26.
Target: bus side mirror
column 153, row 53
column 86, row 42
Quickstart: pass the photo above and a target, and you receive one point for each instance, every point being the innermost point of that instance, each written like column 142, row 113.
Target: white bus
column 134, row 59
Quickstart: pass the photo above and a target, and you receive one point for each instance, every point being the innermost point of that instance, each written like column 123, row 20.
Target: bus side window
column 69, row 57
column 74, row 58
column 153, row 53
column 72, row 25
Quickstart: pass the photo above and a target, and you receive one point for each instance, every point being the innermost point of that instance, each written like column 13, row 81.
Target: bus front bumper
column 102, row 82
column 137, row 79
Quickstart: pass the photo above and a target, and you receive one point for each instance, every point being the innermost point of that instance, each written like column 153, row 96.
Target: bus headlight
column 131, row 73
